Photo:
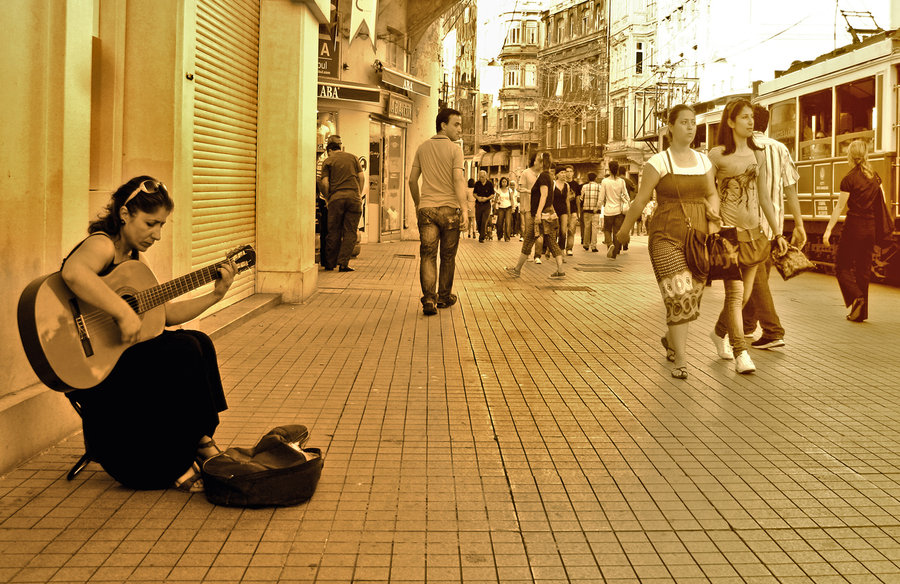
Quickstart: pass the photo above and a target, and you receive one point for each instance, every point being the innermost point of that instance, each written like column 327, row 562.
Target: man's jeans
column 761, row 308
column 611, row 226
column 343, row 223
column 438, row 227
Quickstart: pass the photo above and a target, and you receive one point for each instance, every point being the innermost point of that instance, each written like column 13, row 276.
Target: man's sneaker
column 569, row 252
column 723, row 348
column 448, row 302
column 530, row 259
column 743, row 363
column 749, row 334
column 558, row 275
column 513, row 272
column 429, row 307
column 767, row 343
column 537, row 260
column 595, row 250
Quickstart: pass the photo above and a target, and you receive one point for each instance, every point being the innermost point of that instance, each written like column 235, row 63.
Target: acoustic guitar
column 72, row 344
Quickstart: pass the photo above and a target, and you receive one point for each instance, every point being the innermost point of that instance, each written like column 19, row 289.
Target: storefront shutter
column 225, row 107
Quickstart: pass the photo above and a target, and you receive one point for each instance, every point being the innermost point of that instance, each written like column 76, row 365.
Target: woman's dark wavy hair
column 108, row 220
column 726, row 135
column 503, row 178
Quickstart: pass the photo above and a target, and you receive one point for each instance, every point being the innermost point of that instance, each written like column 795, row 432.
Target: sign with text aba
column 329, row 48
column 345, row 91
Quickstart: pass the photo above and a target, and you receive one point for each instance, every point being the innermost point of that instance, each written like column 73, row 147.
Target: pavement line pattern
column 530, row 433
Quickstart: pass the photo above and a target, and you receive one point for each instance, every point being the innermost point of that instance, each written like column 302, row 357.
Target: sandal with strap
column 207, row 445
column 670, row 352
column 191, row 483
column 680, row 373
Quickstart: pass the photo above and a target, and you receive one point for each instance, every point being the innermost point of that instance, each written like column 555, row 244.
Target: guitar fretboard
column 153, row 297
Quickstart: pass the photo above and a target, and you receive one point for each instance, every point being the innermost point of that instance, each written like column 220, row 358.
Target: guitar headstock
column 244, row 257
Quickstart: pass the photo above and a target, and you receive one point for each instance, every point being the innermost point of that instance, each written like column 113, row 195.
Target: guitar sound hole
column 132, row 301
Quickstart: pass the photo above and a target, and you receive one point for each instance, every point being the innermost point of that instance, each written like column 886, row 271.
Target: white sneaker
column 569, row 252
column 723, row 347
column 530, row 259
column 743, row 363
column 537, row 260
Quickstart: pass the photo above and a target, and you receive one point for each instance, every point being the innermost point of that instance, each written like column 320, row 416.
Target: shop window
column 783, row 124
column 856, row 113
column 815, row 125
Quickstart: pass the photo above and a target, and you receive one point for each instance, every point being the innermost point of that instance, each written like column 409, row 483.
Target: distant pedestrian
column 484, row 193
column 470, row 205
column 573, row 204
column 613, row 197
column 342, row 180
column 546, row 220
column 590, row 205
column 630, row 191
column 860, row 190
column 440, row 208
column 504, row 201
column 683, row 181
column 526, row 182
column 782, row 176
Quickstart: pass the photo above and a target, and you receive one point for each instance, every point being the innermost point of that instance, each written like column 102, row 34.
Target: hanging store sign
column 404, row 81
column 329, row 47
column 347, row 92
column 399, row 108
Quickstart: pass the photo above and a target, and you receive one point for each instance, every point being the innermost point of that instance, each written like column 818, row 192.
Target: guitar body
column 51, row 330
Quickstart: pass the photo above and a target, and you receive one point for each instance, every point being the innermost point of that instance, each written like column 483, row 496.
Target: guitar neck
column 153, row 297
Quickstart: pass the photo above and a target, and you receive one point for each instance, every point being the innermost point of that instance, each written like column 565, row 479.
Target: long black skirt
column 144, row 421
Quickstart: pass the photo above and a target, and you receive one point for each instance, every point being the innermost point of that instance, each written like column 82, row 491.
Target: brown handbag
column 723, row 254
column 696, row 253
column 792, row 263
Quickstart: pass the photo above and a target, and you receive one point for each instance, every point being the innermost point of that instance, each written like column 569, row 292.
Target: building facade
column 510, row 126
column 574, row 80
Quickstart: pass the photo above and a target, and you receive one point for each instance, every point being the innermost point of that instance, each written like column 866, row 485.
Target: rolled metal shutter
column 225, row 107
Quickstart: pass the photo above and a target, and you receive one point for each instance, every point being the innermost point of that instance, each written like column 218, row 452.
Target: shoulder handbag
column 723, row 254
column 884, row 224
column 277, row 471
column 695, row 242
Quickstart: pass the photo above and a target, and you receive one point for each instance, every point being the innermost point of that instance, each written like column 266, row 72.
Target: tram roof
column 878, row 45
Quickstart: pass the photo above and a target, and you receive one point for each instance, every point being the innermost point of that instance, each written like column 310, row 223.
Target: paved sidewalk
column 500, row 443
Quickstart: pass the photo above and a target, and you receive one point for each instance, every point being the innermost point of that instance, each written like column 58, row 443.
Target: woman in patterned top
column 743, row 191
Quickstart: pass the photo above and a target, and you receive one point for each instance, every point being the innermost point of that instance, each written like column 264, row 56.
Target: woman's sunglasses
column 148, row 186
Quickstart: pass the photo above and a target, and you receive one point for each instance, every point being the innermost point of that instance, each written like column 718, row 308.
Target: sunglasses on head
column 149, row 186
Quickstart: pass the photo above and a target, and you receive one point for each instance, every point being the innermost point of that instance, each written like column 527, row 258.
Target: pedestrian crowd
column 736, row 194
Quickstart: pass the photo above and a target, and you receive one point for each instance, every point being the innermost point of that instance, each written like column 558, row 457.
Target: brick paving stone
column 530, row 433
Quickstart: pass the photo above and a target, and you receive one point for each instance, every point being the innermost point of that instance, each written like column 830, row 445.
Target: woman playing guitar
column 154, row 416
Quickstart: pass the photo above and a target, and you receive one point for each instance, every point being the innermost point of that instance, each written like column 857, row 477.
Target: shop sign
column 329, row 47
column 344, row 92
column 404, row 82
column 399, row 108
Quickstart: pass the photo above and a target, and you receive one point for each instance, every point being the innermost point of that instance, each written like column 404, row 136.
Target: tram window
column 699, row 142
column 712, row 130
column 815, row 125
column 783, row 123
column 855, row 107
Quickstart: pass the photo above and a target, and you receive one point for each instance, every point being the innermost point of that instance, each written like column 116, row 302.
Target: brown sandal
column 680, row 373
column 193, row 483
column 206, row 445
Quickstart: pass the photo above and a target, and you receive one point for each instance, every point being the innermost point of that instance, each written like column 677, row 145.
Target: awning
column 404, row 81
column 487, row 159
column 501, row 158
